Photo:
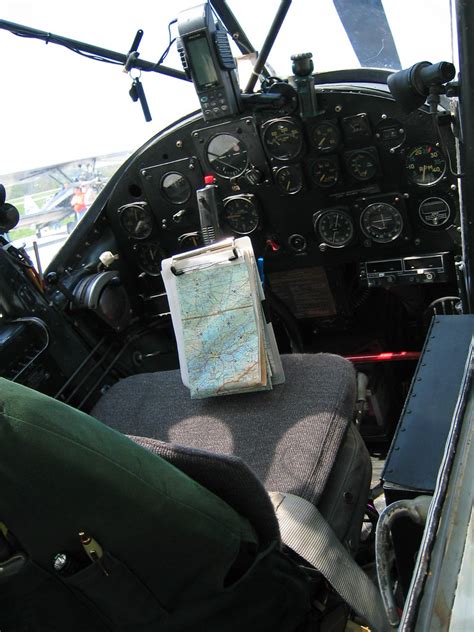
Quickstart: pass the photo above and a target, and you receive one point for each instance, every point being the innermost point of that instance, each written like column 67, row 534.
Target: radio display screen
column 201, row 62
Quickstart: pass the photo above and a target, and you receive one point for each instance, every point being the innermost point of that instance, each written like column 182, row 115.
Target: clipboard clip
column 213, row 249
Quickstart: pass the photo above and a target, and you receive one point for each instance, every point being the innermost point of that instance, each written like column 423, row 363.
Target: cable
column 444, row 146
column 51, row 39
column 171, row 41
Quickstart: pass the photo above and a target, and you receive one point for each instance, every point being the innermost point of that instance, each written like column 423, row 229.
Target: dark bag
column 176, row 556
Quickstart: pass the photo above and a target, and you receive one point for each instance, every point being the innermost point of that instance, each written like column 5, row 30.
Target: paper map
column 221, row 336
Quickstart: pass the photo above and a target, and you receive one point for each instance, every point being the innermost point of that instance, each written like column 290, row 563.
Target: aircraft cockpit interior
column 345, row 193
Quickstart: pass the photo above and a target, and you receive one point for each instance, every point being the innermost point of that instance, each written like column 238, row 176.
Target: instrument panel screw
column 392, row 150
column 406, row 196
column 179, row 144
column 384, row 116
column 401, row 130
column 417, row 241
column 453, row 187
column 338, row 108
column 195, row 134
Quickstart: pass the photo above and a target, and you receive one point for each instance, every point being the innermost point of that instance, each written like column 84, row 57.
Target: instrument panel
column 360, row 181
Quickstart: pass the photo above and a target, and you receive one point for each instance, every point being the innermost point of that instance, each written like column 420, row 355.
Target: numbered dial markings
column 136, row 220
column 425, row 165
column 362, row 165
column 325, row 172
column 381, row 222
column 149, row 257
column 335, row 228
column 241, row 214
column 289, row 179
column 325, row 137
column 283, row 139
column 227, row 155
column 176, row 187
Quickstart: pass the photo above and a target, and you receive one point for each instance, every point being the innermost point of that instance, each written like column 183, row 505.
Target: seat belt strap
column 304, row 530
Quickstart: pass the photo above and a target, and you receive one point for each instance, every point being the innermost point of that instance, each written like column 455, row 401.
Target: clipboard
column 225, row 344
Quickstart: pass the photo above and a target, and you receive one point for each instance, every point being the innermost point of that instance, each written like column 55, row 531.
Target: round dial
column 241, row 214
column 136, row 220
column 425, row 165
column 335, row 227
column 283, row 139
column 434, row 212
column 325, row 172
column 149, row 256
column 289, row 179
column 176, row 187
column 325, row 136
column 227, row 155
column 362, row 165
column 188, row 241
column 381, row 222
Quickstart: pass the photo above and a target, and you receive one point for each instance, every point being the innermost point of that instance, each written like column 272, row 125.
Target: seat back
column 166, row 554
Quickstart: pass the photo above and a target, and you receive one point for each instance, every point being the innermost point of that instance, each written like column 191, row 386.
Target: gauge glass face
column 335, row 228
column 425, row 165
column 362, row 165
column 381, row 222
column 289, row 179
column 176, row 187
column 188, row 241
column 434, row 212
column 241, row 215
column 325, row 137
column 325, row 172
column 136, row 220
column 149, row 258
column 227, row 155
column 283, row 139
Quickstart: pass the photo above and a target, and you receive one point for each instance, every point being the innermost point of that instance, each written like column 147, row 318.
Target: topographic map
column 222, row 338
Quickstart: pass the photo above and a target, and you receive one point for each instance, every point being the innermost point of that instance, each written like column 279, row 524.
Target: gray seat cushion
column 289, row 436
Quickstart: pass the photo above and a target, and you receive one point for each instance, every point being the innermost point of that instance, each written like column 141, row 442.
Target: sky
column 58, row 106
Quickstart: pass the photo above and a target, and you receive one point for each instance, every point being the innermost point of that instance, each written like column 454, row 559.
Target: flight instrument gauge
column 149, row 256
column 289, row 179
column 362, row 164
column 227, row 155
column 176, row 187
column 325, row 136
column 325, row 172
column 283, row 139
column 425, row 165
column 335, row 227
column 241, row 214
column 381, row 222
column 434, row 212
column 136, row 219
